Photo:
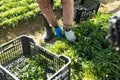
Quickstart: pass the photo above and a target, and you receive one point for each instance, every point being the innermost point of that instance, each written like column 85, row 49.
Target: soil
column 31, row 28
column 35, row 27
column 110, row 7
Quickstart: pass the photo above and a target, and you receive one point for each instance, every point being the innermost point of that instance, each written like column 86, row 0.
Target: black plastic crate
column 17, row 51
column 85, row 9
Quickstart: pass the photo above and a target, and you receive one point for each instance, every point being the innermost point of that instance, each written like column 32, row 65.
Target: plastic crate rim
column 14, row 77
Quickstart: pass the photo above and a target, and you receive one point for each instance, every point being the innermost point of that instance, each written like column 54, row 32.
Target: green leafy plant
column 92, row 56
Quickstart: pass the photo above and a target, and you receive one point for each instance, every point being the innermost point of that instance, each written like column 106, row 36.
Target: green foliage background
column 14, row 12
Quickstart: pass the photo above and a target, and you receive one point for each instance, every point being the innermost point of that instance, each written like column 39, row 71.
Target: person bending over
column 68, row 14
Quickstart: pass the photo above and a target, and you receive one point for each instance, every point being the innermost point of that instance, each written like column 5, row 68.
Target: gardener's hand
column 70, row 35
column 58, row 32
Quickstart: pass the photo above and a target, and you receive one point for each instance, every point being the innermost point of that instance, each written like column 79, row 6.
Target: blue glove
column 58, row 32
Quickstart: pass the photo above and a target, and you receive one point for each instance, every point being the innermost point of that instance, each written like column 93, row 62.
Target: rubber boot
column 48, row 29
column 48, row 35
